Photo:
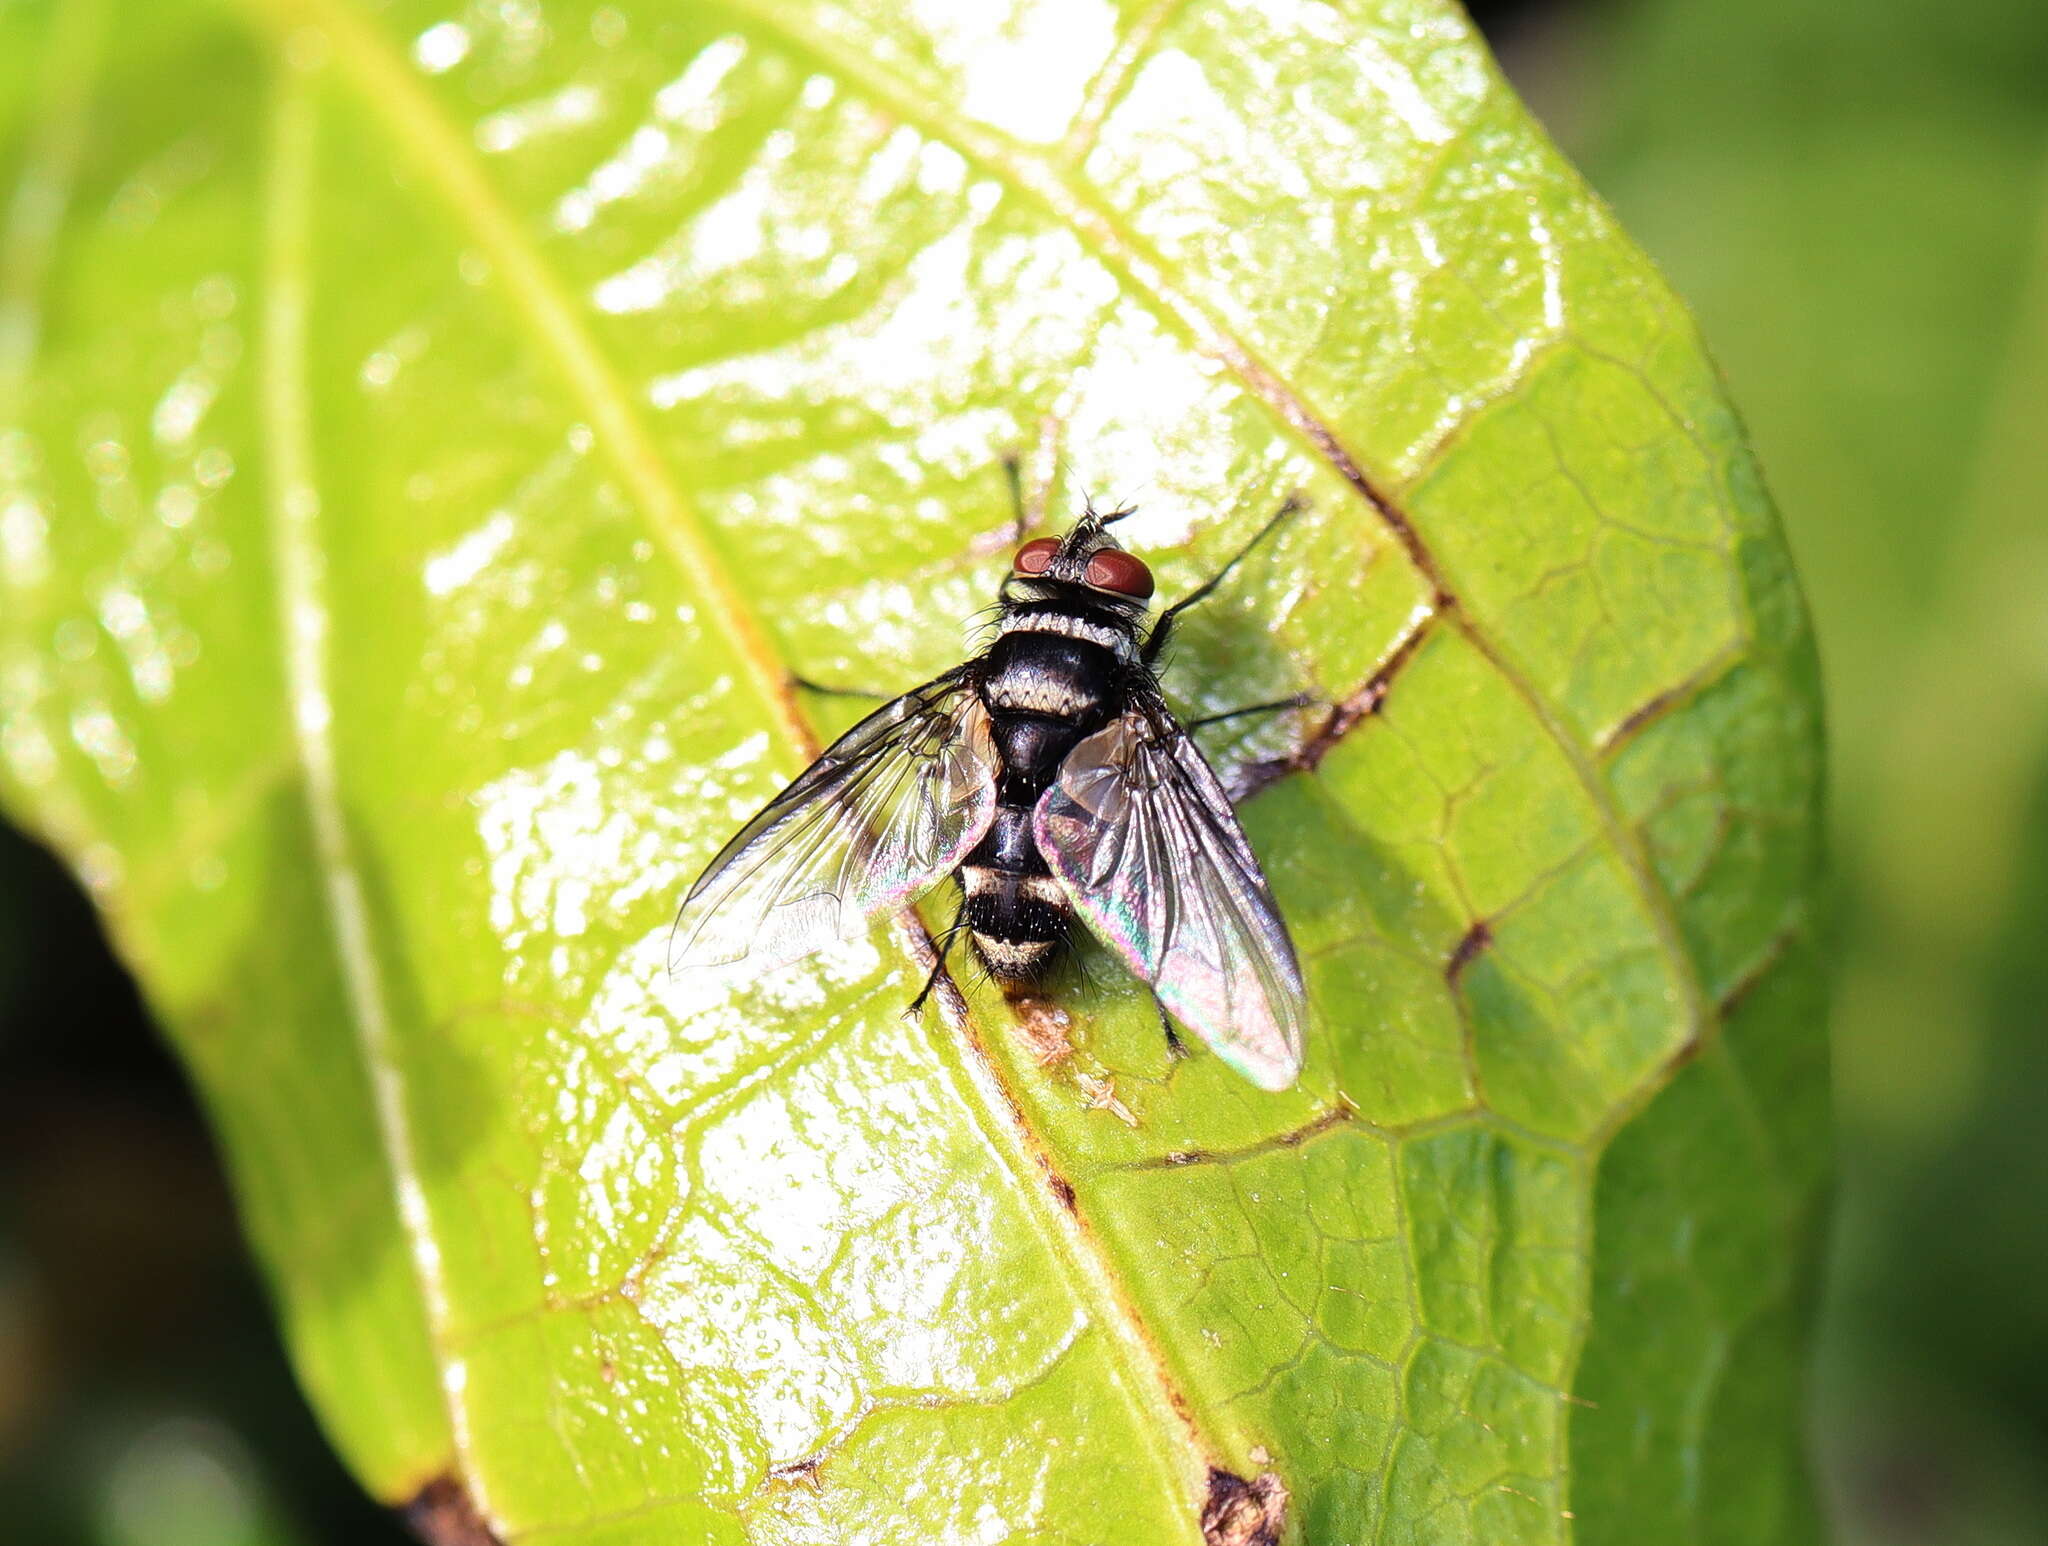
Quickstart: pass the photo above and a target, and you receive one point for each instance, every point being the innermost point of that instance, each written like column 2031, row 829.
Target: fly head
column 1087, row 569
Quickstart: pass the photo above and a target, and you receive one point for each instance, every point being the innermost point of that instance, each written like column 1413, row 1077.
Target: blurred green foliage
column 1855, row 201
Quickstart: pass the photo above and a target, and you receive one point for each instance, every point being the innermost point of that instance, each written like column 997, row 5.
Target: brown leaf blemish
column 442, row 1513
column 1661, row 704
column 1737, row 996
column 1243, row 1513
column 1476, row 939
column 1043, row 1025
column 1343, row 717
column 1339, row 1114
column 807, row 1473
column 1099, row 1094
column 1637, row 719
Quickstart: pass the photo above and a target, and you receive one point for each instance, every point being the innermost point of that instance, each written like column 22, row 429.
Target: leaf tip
column 442, row 1513
column 1243, row 1513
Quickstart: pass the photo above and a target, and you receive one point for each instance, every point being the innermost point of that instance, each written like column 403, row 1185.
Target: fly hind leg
column 1176, row 1049
column 942, row 946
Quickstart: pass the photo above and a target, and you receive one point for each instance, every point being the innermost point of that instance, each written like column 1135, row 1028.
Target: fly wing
column 1143, row 840
column 885, row 812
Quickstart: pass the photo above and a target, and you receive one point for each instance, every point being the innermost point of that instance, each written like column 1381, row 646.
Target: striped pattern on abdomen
column 1016, row 913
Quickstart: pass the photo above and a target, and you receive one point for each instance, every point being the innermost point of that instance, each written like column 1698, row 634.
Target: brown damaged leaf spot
column 1243, row 1513
column 807, row 1473
column 1660, row 704
column 442, row 1513
column 1639, row 718
column 1724, row 1010
column 1476, row 939
column 1773, row 953
column 1062, row 1188
column 1098, row 1092
column 1042, row 1026
column 1343, row 717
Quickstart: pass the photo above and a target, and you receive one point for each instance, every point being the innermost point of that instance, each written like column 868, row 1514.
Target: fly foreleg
column 1163, row 629
column 1020, row 515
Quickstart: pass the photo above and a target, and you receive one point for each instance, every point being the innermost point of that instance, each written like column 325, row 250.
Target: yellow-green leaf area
column 431, row 439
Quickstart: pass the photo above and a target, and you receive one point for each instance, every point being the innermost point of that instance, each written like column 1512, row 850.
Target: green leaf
column 430, row 442
column 1907, row 181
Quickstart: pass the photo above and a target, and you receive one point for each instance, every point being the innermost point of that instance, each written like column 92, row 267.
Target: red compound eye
column 1035, row 557
column 1111, row 569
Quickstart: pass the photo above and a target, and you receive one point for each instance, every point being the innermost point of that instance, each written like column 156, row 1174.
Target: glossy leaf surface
column 431, row 438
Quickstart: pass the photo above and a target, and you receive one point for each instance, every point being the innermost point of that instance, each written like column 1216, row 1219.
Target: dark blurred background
column 1855, row 199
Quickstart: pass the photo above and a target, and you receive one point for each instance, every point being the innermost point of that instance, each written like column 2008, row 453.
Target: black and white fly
column 1049, row 774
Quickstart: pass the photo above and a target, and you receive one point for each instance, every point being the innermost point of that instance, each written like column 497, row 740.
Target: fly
column 1048, row 774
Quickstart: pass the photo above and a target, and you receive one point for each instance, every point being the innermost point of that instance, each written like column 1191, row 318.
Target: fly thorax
column 1058, row 675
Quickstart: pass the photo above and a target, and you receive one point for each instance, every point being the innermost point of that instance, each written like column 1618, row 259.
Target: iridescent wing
column 1143, row 840
column 886, row 811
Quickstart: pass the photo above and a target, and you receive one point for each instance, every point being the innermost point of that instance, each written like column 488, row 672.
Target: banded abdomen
column 1045, row 690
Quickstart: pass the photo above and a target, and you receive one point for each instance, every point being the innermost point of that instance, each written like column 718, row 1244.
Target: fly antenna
column 1087, row 498
column 1127, row 503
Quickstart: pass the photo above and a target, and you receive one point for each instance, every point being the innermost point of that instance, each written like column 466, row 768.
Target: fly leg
column 1163, row 629
column 826, row 690
column 945, row 944
column 1300, row 700
column 1240, row 781
column 1176, row 1049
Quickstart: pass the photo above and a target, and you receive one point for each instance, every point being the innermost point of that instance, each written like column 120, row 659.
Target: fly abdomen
column 1009, row 846
column 1018, row 918
column 1015, row 910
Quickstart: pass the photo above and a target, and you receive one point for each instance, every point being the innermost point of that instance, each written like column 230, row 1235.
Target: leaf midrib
column 391, row 94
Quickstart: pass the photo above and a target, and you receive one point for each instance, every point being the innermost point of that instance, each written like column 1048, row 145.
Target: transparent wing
column 885, row 812
column 1143, row 840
